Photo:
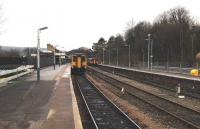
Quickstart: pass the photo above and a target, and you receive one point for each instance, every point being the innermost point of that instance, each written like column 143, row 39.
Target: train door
column 79, row 62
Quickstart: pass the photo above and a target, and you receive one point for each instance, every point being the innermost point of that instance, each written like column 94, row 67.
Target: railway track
column 104, row 114
column 185, row 92
column 184, row 114
column 192, row 95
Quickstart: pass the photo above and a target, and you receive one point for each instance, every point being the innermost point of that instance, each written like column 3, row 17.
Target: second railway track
column 184, row 114
column 104, row 114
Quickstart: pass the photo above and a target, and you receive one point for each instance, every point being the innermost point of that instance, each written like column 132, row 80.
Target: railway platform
column 158, row 72
column 50, row 103
column 187, row 85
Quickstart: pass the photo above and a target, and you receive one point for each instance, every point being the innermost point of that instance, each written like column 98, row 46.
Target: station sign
column 62, row 57
column 60, row 54
column 33, row 55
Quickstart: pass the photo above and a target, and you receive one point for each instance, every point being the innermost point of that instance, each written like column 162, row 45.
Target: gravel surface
column 140, row 117
column 156, row 115
column 187, row 102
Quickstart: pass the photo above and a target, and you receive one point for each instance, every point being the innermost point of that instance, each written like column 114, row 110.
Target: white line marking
column 77, row 118
column 51, row 113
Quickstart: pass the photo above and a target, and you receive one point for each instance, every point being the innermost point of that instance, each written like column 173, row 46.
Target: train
column 78, row 63
column 93, row 61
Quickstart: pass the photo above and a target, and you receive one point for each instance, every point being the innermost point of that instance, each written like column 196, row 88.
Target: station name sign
column 60, row 54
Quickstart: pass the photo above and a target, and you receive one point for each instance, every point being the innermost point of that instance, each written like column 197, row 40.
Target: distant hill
column 84, row 48
column 88, row 52
column 7, row 51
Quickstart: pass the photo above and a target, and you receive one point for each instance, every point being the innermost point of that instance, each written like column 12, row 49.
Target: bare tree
column 172, row 36
column 174, row 42
column 130, row 25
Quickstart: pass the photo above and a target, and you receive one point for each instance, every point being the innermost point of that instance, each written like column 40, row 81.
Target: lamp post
column 117, row 56
column 109, row 55
column 103, row 53
column 151, row 53
column 150, row 44
column 181, row 48
column 38, row 51
column 129, row 54
column 54, row 57
column 149, row 36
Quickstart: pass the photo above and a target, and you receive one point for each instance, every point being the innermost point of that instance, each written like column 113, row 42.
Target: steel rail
column 114, row 107
column 154, row 84
column 132, row 86
column 95, row 124
column 114, row 104
column 160, row 108
column 158, row 85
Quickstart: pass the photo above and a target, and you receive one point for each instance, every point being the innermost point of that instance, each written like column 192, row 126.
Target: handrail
column 19, row 69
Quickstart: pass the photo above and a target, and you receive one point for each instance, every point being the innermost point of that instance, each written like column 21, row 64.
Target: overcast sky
column 77, row 23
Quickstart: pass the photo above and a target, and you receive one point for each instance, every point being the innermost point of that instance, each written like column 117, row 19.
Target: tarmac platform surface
column 50, row 103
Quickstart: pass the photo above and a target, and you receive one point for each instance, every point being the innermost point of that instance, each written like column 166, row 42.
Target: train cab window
column 74, row 58
column 83, row 58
